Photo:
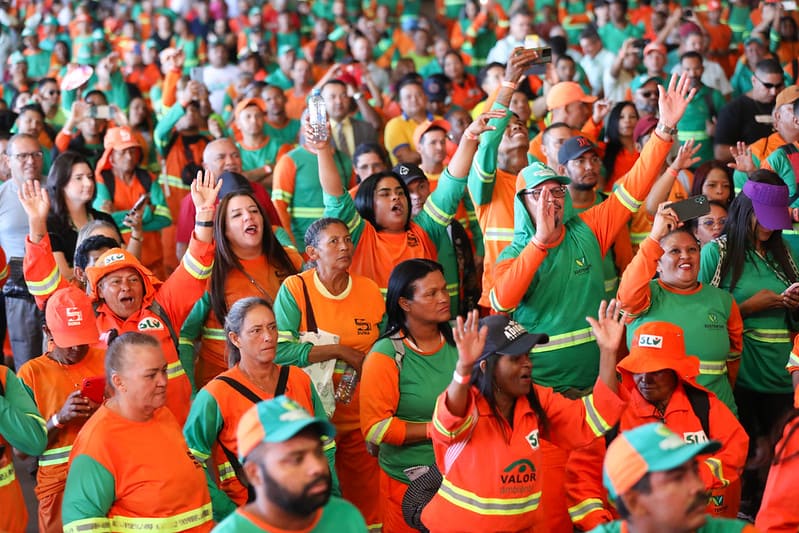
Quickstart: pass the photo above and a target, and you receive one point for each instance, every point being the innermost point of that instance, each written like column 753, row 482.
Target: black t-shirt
column 64, row 239
column 738, row 121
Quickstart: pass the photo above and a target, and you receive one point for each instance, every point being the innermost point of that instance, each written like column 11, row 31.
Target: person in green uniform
column 258, row 153
column 699, row 121
column 38, row 60
column 280, row 448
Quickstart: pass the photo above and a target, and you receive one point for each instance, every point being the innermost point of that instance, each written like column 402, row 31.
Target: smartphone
column 687, row 13
column 641, row 43
column 532, row 41
column 139, row 203
column 100, row 111
column 93, row 389
column 789, row 5
column 539, row 65
column 196, row 74
column 690, row 208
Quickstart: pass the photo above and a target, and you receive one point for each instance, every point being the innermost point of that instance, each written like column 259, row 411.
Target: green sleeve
column 474, row 227
column 160, row 216
column 201, row 431
column 343, row 208
column 21, row 424
column 102, row 196
column 708, row 261
column 190, row 333
column 163, row 131
column 328, row 443
column 483, row 172
column 88, row 495
column 283, row 238
column 156, row 92
column 739, row 178
column 441, row 205
column 289, row 350
column 780, row 164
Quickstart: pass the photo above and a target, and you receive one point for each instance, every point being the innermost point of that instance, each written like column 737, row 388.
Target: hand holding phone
column 139, row 203
column 690, row 208
column 93, row 389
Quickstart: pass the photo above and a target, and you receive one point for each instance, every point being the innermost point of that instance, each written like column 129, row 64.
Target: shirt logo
column 150, row 324
column 694, row 437
column 521, row 471
column 364, row 327
column 532, row 439
column 650, row 341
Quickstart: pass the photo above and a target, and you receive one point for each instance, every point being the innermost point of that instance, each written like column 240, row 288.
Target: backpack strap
column 109, row 181
column 399, row 350
column 700, row 404
column 156, row 309
column 240, row 388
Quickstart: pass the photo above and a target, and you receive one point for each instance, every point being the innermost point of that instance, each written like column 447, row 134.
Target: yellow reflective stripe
column 638, row 238
column 7, row 475
column 610, row 283
column 279, row 194
column 328, row 443
column 39, row 420
column 285, row 336
column 45, row 286
column 733, row 356
column 162, row 210
column 95, row 525
column 374, row 527
column 713, row 367
column 226, row 471
column 584, row 508
column 56, row 456
column 769, row 335
column 566, row 340
column 4, row 272
column 495, row 303
column 793, row 360
column 436, row 213
column 717, row 470
column 498, row 234
column 177, row 182
column 482, row 175
column 467, row 423
column 378, row 431
column 196, row 268
column 488, row 506
column 185, row 342
column 308, row 212
column 353, row 224
column 201, row 456
column 216, row 334
column 627, row 199
column 174, row 370
column 180, row 522
column 698, row 135
column 595, row 421
column 452, row 289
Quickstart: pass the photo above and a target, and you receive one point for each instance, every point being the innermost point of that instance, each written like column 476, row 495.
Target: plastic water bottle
column 346, row 387
column 318, row 116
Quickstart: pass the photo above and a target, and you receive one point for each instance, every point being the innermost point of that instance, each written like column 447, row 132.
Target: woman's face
column 512, row 374
column 137, row 112
column 257, row 339
column 453, row 67
column 710, row 226
column 244, row 225
column 430, row 302
column 334, row 248
column 656, row 387
column 80, row 187
column 390, row 205
column 679, row 264
column 143, row 379
column 627, row 121
column 717, row 186
column 762, row 234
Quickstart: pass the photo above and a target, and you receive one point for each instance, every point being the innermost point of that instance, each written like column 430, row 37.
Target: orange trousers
column 553, row 513
column 391, row 494
column 50, row 512
column 13, row 513
column 359, row 475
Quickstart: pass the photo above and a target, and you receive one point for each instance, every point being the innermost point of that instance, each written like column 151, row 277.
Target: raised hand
column 608, row 327
column 312, row 143
column 673, row 101
column 686, row 155
column 518, row 61
column 204, row 191
column 743, row 158
column 601, row 110
column 470, row 339
column 546, row 224
column 666, row 221
column 35, row 201
column 480, row 124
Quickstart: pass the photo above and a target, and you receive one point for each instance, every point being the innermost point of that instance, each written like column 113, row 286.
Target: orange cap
column 654, row 47
column 659, row 346
column 111, row 261
column 788, row 95
column 247, row 102
column 70, row 318
column 565, row 93
column 120, row 138
column 428, row 125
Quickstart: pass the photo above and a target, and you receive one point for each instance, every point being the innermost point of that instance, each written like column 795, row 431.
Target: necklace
column 67, row 369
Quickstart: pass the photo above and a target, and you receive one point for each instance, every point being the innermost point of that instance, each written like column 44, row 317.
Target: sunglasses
column 648, row 94
column 770, row 86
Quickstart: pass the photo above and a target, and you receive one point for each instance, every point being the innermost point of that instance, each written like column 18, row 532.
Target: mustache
column 700, row 502
column 321, row 477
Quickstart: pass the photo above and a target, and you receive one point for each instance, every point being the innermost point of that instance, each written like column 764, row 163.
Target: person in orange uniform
column 327, row 298
column 660, row 380
column 55, row 379
column 22, row 428
column 130, row 468
column 492, row 404
column 127, row 295
column 778, row 510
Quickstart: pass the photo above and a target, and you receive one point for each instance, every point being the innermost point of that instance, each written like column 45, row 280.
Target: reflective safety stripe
column 45, row 286
column 713, row 367
column 593, row 418
column 436, row 213
column 354, row 222
column 226, row 471
column 180, row 522
column 638, row 238
column 285, row 336
column 195, row 268
column 200, row 456
column 216, row 334
column 378, row 431
column 566, row 340
column 279, row 194
column 177, row 183
column 716, row 469
column 482, row 175
column 452, row 289
column 610, row 283
column 488, row 506
column 7, row 475
column 495, row 303
column 498, row 234
column 375, row 527
column 768, row 335
column 698, row 135
column 174, row 370
column 793, row 360
column 94, row 525
column 308, row 212
column 162, row 210
column 627, row 199
column 467, row 423
column 328, row 443
column 584, row 508
column 4, row 272
column 56, row 456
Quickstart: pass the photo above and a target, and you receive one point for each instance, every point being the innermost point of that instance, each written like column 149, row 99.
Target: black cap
column 508, row 337
column 233, row 182
column 409, row 172
column 435, row 87
column 574, row 148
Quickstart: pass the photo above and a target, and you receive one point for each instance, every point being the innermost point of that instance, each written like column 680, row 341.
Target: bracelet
column 671, row 172
column 134, row 238
column 57, row 423
column 508, row 84
column 207, row 208
column 470, row 136
column 459, row 379
column 204, row 223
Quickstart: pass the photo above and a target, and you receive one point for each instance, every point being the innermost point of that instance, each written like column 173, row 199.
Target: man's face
column 368, row 164
column 532, row 197
column 413, row 102
column 520, row 105
column 583, row 170
column 433, row 147
column 31, row 123
column 337, row 102
column 123, row 291
column 565, row 69
column 656, row 387
column 492, row 79
column 222, row 156
column 216, row 56
column 646, row 98
column 617, row 13
column 286, row 61
column 275, row 101
column 25, row 159
column 654, row 62
column 631, row 60
column 693, row 68
column 765, row 87
column 49, row 94
column 516, row 136
column 553, row 140
column 754, row 52
column 590, row 46
column 520, row 26
column 251, row 120
column 458, row 121
column 300, row 72
column 419, row 191
column 576, row 114
column 126, row 160
column 693, row 43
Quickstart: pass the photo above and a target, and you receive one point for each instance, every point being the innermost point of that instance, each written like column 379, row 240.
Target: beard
column 582, row 186
column 301, row 504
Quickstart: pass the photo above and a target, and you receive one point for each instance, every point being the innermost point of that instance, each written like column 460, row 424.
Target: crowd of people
column 531, row 267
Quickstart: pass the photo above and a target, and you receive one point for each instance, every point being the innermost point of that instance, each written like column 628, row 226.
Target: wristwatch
column 357, row 96
column 667, row 130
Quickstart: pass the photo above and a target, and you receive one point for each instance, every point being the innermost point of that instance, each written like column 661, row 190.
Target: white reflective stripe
column 195, row 267
column 713, row 367
column 45, row 286
column 488, row 506
column 498, row 234
column 179, row 522
column 627, row 199
column 566, row 340
column 436, row 213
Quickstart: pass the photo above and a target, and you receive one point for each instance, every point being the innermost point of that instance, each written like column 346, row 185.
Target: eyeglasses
column 648, row 94
column 21, row 157
column 710, row 223
column 556, row 192
column 769, row 86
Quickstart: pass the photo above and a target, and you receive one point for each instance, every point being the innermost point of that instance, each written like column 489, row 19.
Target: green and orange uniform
column 713, row 525
column 355, row 316
column 23, row 428
column 51, row 382
column 337, row 515
column 398, row 396
column 211, row 429
column 126, row 475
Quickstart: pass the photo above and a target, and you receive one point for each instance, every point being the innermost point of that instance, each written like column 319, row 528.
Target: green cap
column 538, row 173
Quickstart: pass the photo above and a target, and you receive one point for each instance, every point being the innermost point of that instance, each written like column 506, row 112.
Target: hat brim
column 524, row 344
column 577, row 154
column 83, row 336
column 676, row 457
column 290, row 429
column 643, row 362
column 772, row 217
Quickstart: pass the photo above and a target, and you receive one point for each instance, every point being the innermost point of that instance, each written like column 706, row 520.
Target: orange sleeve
column 623, row 250
column 4, row 271
column 607, row 218
column 585, row 495
column 735, row 330
column 170, row 89
column 779, row 512
column 62, row 141
column 185, row 286
column 512, row 277
column 634, row 292
column 283, row 182
column 591, row 129
column 41, row 271
column 380, row 383
column 491, row 99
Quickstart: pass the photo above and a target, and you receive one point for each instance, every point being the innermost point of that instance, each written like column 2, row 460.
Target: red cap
column 247, row 102
column 654, row 47
column 70, row 318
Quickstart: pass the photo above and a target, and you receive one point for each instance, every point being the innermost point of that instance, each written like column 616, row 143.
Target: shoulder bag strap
column 240, row 388
column 310, row 318
column 282, row 379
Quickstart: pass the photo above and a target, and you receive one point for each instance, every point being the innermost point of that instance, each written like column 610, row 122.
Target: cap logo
column 671, row 442
column 113, row 258
column 294, row 415
column 583, row 142
column 404, row 170
column 650, row 341
column 124, row 135
column 513, row 331
column 74, row 316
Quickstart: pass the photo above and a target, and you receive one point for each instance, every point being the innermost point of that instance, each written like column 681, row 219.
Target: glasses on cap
column 713, row 223
column 556, row 192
